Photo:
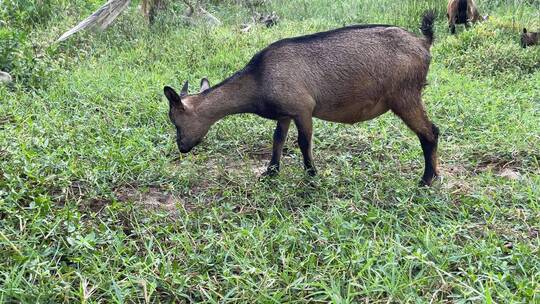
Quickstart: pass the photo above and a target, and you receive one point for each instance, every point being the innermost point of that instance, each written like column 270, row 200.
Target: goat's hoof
column 311, row 172
column 427, row 182
column 271, row 172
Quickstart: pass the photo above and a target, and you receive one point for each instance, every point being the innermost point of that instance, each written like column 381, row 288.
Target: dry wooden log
column 107, row 13
column 101, row 18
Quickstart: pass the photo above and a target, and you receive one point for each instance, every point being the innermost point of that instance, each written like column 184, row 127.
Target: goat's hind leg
column 304, row 124
column 414, row 115
column 451, row 23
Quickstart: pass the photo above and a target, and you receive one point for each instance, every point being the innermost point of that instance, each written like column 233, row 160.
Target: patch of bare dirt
column 510, row 174
column 265, row 152
column 494, row 162
column 518, row 161
column 502, row 167
column 259, row 169
column 260, row 154
column 96, row 205
column 455, row 178
column 255, row 160
column 154, row 198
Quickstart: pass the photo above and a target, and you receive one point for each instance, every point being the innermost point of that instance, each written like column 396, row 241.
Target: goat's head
column 190, row 125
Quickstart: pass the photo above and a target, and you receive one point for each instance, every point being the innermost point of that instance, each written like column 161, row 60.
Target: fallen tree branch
column 107, row 13
column 101, row 18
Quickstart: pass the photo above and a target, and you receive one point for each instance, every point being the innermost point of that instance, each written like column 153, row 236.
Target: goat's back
column 353, row 63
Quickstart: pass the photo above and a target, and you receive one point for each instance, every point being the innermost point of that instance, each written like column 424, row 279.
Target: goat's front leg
column 452, row 28
column 304, row 124
column 280, row 136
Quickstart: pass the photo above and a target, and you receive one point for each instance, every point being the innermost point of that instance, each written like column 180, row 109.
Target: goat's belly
column 352, row 112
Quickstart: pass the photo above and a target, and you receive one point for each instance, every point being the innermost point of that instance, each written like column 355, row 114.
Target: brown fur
column 529, row 38
column 347, row 75
column 453, row 13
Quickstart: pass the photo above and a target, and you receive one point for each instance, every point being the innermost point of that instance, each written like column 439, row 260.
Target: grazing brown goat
column 346, row 75
column 462, row 12
column 529, row 38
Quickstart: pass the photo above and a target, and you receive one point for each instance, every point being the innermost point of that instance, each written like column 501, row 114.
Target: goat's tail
column 427, row 27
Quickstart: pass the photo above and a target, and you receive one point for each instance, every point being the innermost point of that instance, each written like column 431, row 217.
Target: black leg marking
column 305, row 130
column 280, row 136
column 429, row 147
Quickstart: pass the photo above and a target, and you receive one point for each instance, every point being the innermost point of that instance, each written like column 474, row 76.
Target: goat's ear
column 185, row 88
column 524, row 31
column 205, row 84
column 173, row 97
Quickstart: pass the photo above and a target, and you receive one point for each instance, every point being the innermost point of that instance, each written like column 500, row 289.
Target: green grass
column 97, row 205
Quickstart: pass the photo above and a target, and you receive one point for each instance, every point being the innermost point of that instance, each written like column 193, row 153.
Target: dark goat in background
column 462, row 12
column 529, row 38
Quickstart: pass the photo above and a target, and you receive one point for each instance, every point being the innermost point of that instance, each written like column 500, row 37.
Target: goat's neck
column 235, row 96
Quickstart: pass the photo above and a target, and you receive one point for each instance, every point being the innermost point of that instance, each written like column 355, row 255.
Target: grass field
column 98, row 206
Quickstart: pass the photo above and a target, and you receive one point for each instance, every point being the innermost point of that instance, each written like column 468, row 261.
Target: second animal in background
column 529, row 38
column 462, row 12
